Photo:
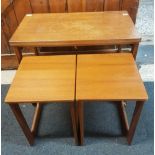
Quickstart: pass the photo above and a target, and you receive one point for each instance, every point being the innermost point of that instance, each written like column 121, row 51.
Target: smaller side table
column 40, row 80
column 109, row 77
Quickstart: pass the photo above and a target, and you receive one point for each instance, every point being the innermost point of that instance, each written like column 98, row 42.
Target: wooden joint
column 123, row 104
column 73, row 117
column 18, row 53
column 36, row 118
column 81, row 122
column 123, row 117
column 135, row 50
column 119, row 48
column 37, row 51
column 134, row 121
column 22, row 122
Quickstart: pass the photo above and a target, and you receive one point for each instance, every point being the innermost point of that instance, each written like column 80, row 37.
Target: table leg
column 134, row 50
column 18, row 54
column 34, row 104
column 81, row 122
column 22, row 122
column 119, row 48
column 77, row 121
column 135, row 118
column 36, row 118
column 36, row 50
column 77, row 116
column 123, row 117
column 74, row 124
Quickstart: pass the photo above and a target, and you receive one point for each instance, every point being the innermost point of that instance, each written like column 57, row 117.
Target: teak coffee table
column 42, row 79
column 109, row 77
column 75, row 29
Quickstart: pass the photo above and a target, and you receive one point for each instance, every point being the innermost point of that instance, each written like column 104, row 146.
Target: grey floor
column 145, row 20
column 145, row 55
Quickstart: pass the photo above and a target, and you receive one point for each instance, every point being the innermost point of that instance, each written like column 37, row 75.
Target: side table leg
column 74, row 125
column 22, row 122
column 36, row 51
column 135, row 118
column 77, row 116
column 134, row 50
column 77, row 120
column 18, row 54
column 36, row 118
column 81, row 122
column 119, row 48
column 34, row 104
column 123, row 117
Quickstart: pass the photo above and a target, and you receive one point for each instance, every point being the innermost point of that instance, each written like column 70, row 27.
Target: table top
column 77, row 29
column 108, row 77
column 43, row 79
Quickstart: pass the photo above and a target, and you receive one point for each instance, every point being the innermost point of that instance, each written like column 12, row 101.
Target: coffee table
column 42, row 79
column 109, row 77
column 75, row 29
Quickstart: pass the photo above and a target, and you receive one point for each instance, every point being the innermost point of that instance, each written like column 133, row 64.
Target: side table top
column 73, row 29
column 109, row 77
column 43, row 79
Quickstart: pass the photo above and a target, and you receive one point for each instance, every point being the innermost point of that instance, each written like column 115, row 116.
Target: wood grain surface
column 108, row 77
column 43, row 79
column 89, row 28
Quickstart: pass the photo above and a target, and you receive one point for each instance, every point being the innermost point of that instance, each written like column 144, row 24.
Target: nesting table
column 110, row 77
column 76, row 78
column 42, row 80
